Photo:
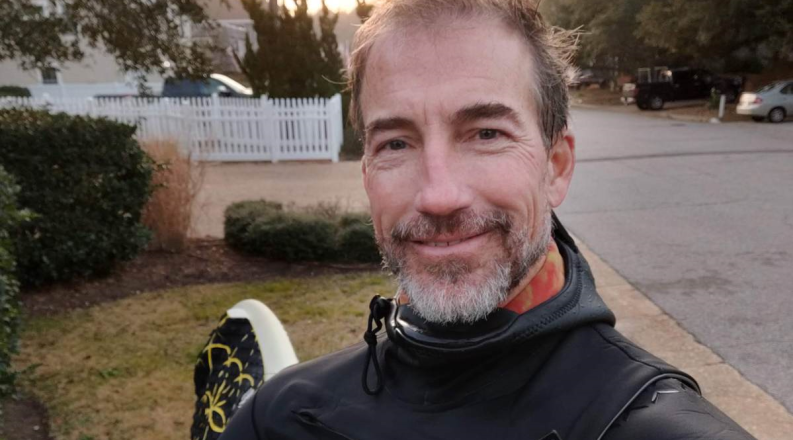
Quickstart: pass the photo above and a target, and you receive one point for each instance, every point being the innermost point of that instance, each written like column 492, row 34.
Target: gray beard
column 452, row 297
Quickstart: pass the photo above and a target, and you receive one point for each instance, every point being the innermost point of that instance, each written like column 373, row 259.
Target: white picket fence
column 221, row 129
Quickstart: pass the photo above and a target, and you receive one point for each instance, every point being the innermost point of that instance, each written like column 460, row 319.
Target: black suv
column 665, row 85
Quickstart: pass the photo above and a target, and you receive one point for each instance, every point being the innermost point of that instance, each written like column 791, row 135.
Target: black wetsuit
column 558, row 371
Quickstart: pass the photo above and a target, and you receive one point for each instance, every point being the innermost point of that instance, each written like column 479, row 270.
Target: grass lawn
column 123, row 370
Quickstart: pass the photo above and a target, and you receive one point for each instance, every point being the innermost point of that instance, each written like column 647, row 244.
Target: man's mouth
column 442, row 243
column 447, row 245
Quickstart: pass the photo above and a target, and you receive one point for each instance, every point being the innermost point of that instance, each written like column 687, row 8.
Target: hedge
column 14, row 91
column 357, row 243
column 292, row 237
column 240, row 216
column 87, row 180
column 10, row 217
column 267, row 229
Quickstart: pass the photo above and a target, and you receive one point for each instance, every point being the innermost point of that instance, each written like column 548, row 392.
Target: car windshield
column 233, row 85
column 769, row 87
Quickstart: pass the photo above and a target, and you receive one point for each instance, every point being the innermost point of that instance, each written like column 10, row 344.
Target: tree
column 608, row 28
column 719, row 32
column 363, row 10
column 289, row 60
column 144, row 36
column 329, row 47
column 260, row 64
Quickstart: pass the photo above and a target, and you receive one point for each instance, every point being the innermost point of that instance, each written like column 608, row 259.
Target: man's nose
column 443, row 184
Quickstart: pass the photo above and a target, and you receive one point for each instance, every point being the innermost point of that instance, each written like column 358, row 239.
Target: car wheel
column 642, row 105
column 656, row 102
column 758, row 118
column 776, row 114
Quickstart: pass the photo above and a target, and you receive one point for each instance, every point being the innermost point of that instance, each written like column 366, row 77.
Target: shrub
column 292, row 237
column 326, row 210
column 316, row 233
column 355, row 218
column 357, row 243
column 176, row 182
column 239, row 217
column 713, row 101
column 14, row 91
column 87, row 179
column 10, row 217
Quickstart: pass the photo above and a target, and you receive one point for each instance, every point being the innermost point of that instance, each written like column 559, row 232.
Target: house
column 98, row 73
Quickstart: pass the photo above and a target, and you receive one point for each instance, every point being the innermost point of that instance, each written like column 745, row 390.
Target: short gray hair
column 551, row 47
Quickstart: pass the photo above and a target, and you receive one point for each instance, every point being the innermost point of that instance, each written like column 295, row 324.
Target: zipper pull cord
column 378, row 308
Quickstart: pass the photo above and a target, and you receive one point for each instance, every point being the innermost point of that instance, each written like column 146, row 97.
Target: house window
column 49, row 75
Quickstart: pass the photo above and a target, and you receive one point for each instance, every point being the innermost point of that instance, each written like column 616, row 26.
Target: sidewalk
column 643, row 322
column 638, row 318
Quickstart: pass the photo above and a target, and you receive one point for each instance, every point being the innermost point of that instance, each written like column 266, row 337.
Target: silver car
column 774, row 101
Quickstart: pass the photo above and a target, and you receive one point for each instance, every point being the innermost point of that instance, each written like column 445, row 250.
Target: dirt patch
column 596, row 96
column 703, row 113
column 24, row 419
column 205, row 261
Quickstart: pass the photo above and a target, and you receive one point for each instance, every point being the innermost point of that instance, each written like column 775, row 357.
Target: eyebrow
column 385, row 124
column 471, row 113
column 479, row 111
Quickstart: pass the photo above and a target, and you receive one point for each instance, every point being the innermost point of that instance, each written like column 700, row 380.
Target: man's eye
column 488, row 134
column 396, row 145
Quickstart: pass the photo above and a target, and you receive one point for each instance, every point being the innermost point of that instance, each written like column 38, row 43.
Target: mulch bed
column 203, row 262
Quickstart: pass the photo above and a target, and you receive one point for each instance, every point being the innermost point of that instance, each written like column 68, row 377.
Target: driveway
column 699, row 217
column 301, row 183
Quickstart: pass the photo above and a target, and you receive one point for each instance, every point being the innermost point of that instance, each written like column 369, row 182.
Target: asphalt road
column 700, row 218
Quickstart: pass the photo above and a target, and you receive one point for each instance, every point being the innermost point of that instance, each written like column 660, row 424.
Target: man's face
column 459, row 181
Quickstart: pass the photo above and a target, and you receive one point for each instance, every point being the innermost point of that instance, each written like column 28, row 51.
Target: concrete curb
column 643, row 322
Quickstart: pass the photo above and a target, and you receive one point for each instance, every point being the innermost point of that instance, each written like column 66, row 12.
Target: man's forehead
column 458, row 64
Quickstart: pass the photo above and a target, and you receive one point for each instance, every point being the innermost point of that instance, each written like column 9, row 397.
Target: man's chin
column 444, row 273
column 454, row 298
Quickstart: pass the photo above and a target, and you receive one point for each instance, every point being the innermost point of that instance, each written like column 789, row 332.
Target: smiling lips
column 444, row 245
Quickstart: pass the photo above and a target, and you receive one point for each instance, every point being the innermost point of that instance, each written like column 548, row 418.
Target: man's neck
column 543, row 281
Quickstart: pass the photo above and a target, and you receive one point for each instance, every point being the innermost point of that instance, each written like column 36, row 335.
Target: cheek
column 512, row 183
column 390, row 198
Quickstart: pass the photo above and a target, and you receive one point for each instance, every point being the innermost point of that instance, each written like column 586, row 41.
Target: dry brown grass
column 123, row 370
column 177, row 181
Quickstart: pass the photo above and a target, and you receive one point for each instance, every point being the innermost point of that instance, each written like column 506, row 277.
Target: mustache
column 466, row 222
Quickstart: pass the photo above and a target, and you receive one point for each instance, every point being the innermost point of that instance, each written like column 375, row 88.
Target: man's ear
column 561, row 163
